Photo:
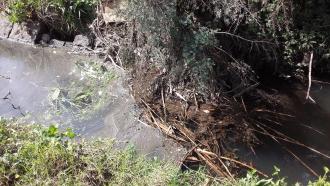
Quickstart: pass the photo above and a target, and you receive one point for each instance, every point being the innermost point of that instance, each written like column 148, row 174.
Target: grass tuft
column 35, row 155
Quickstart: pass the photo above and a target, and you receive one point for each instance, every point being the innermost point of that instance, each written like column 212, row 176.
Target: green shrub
column 67, row 16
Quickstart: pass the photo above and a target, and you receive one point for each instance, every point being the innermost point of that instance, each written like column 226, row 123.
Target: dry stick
column 166, row 129
column 223, row 164
column 274, row 122
column 228, row 174
column 242, row 38
column 310, row 78
column 243, row 104
column 232, row 160
column 212, row 166
column 294, row 155
column 114, row 63
column 296, row 143
column 206, row 175
column 151, row 110
column 303, row 163
column 196, row 102
column 161, row 126
column 222, row 50
column 281, row 136
column 244, row 165
column 246, row 90
column 300, row 124
column 164, row 106
column 278, row 113
column 321, row 82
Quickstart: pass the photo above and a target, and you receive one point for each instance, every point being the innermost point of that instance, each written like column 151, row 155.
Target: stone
column 68, row 44
column 25, row 32
column 45, row 38
column 5, row 26
column 81, row 41
column 56, row 43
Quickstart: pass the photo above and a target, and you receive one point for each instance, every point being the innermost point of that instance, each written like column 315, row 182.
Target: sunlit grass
column 35, row 155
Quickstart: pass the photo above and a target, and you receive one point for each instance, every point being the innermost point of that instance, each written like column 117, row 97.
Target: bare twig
column 321, row 82
column 246, row 90
column 164, row 105
column 295, row 142
column 308, row 97
column 243, row 104
column 302, row 162
column 244, row 39
column 232, row 160
column 277, row 113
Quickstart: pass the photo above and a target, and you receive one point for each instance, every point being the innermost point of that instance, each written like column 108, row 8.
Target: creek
column 50, row 86
column 307, row 123
column 44, row 85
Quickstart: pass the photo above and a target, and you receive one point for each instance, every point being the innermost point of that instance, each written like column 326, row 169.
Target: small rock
column 25, row 32
column 56, row 43
column 81, row 41
column 68, row 44
column 5, row 26
column 45, row 38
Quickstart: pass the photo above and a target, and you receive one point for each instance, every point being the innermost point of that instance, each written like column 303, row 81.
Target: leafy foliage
column 34, row 155
column 66, row 16
column 275, row 36
column 31, row 155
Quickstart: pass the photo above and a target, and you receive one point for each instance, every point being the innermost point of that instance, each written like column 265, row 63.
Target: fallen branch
column 308, row 97
column 321, row 82
column 302, row 162
column 232, row 160
column 244, row 39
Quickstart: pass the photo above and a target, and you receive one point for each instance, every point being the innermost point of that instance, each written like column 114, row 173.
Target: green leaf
column 52, row 131
column 69, row 133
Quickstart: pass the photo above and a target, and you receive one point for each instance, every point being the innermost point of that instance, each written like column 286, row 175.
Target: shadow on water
column 308, row 124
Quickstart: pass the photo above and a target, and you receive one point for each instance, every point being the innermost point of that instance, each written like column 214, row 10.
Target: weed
column 65, row 16
column 81, row 98
column 34, row 155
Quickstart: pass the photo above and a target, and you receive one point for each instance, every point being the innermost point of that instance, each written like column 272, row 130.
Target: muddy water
column 33, row 78
column 27, row 75
column 309, row 124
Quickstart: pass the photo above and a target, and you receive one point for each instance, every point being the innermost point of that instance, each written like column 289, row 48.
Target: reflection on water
column 47, row 86
column 28, row 79
column 310, row 126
